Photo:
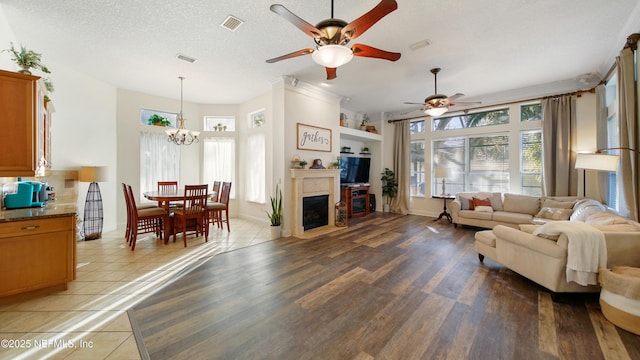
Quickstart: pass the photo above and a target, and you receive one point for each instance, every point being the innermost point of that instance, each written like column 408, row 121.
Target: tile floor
column 89, row 320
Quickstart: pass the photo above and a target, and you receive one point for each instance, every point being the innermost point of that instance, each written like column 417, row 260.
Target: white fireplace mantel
column 313, row 182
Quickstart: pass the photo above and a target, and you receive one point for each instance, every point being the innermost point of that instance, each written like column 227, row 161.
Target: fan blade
column 331, row 73
column 455, row 96
column 412, row 103
column 307, row 28
column 468, row 103
column 358, row 26
column 368, row 51
column 302, row 52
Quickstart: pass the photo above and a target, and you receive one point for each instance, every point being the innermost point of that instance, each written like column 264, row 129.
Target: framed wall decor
column 313, row 138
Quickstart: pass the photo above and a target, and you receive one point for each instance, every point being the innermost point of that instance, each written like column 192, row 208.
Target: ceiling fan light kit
column 331, row 37
column 332, row 56
column 438, row 104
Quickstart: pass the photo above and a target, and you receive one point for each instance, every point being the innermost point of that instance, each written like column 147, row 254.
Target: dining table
column 164, row 199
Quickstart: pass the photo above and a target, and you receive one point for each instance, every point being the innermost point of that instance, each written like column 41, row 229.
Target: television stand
column 356, row 197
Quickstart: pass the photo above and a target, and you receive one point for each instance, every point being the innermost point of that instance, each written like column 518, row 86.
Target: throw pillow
column 481, row 202
column 483, row 208
column 544, row 232
column 549, row 203
column 554, row 213
column 464, row 203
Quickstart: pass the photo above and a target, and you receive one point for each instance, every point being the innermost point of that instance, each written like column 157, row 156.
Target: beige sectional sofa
column 508, row 209
column 543, row 257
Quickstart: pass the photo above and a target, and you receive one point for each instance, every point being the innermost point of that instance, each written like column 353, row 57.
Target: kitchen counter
column 50, row 210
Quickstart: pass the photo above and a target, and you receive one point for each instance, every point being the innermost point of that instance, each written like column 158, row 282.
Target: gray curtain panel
column 559, row 176
column 401, row 161
column 628, row 129
column 601, row 139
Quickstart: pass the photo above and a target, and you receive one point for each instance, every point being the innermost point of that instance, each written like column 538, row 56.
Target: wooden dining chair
column 169, row 186
column 215, row 210
column 127, row 234
column 192, row 215
column 144, row 220
column 215, row 195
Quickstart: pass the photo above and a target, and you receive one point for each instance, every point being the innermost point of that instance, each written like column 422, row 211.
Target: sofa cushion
column 523, row 204
column 557, row 204
column 483, row 208
column 470, row 214
column 586, row 207
column 617, row 228
column 512, row 218
column 495, row 198
column 554, row 213
column 605, row 218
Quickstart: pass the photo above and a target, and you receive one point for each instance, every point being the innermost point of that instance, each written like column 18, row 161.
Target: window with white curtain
column 159, row 160
column 219, row 161
column 255, row 168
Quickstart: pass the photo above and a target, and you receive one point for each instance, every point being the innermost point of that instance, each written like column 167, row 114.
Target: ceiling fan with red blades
column 438, row 104
column 332, row 36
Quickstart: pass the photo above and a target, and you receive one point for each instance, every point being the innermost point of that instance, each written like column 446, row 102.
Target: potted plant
column 27, row 59
column 365, row 150
column 158, row 120
column 303, row 163
column 389, row 187
column 276, row 214
column 365, row 120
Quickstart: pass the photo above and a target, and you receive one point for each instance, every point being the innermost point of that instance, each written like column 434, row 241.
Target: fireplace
column 315, row 211
column 312, row 183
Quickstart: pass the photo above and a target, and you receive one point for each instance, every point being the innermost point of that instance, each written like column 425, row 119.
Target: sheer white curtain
column 219, row 161
column 159, row 160
column 255, row 179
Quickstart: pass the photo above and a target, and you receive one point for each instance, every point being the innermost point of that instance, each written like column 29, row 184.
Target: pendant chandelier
column 182, row 136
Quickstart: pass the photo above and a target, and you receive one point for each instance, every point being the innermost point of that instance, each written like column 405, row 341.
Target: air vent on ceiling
column 186, row 58
column 231, row 23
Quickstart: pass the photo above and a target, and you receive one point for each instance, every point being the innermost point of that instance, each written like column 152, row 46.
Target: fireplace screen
column 315, row 211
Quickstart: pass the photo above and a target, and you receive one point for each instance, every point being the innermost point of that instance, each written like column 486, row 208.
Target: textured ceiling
column 492, row 51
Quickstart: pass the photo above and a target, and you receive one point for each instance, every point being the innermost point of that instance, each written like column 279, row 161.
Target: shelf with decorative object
column 359, row 135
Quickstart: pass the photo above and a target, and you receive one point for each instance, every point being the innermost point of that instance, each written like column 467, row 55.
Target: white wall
column 252, row 210
column 307, row 105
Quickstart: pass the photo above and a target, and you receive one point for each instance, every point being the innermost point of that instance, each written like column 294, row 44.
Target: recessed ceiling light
column 186, row 58
column 419, row 44
column 231, row 23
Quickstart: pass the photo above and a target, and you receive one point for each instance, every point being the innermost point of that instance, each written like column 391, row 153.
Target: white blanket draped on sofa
column 586, row 251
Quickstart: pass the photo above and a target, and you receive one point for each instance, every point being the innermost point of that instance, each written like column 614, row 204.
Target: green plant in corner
column 27, row 59
column 158, row 120
column 389, row 185
column 276, row 208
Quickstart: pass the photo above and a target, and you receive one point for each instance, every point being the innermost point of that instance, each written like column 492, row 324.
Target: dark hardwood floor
column 386, row 287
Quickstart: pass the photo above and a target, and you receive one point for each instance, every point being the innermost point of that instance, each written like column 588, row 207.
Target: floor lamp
column 599, row 162
column 93, row 214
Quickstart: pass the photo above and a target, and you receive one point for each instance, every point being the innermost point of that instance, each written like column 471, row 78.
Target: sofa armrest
column 454, row 208
column 529, row 241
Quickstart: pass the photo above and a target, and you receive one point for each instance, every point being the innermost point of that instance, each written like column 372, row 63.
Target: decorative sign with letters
column 313, row 138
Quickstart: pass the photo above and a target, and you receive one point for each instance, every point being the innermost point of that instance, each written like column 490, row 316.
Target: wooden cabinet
column 36, row 254
column 22, row 110
column 357, row 199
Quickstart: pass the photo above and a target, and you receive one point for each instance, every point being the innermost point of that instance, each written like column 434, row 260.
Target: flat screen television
column 354, row 170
